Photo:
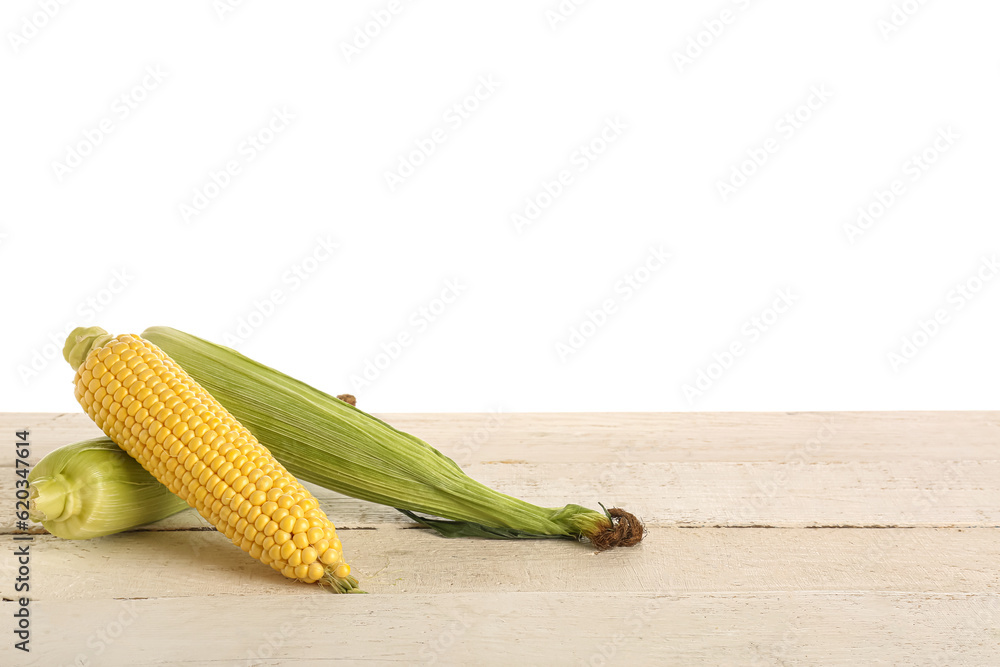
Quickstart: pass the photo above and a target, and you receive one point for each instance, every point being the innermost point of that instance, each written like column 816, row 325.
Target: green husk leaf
column 468, row 529
column 323, row 440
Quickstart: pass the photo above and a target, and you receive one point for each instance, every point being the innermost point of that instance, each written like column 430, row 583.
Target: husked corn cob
column 167, row 422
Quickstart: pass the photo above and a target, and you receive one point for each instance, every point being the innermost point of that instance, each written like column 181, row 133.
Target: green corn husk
column 328, row 442
column 93, row 488
column 323, row 440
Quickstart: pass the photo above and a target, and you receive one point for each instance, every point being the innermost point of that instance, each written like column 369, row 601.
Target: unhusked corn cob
column 166, row 421
column 93, row 488
column 328, row 442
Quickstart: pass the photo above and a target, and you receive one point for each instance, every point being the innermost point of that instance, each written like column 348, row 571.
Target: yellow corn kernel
column 314, row 571
column 308, row 504
column 253, row 514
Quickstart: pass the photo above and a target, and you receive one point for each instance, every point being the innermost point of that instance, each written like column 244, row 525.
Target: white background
column 686, row 127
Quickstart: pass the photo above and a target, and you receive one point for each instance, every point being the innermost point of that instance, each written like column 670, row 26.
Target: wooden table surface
column 774, row 539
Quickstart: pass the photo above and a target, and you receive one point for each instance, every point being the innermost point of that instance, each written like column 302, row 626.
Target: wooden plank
column 394, row 561
column 606, row 627
column 652, row 437
column 692, row 436
column 909, row 493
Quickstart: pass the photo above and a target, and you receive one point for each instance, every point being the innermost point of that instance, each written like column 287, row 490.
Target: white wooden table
column 807, row 538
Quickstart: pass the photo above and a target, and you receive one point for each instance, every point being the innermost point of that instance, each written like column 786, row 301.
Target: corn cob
column 180, row 434
column 93, row 488
column 325, row 441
